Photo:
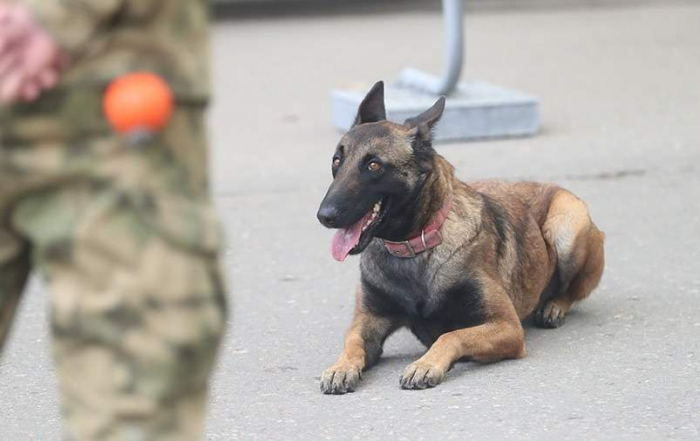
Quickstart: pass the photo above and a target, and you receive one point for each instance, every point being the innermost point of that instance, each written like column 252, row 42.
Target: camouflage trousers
column 128, row 243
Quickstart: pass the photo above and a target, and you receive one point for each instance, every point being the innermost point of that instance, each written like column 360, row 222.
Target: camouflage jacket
column 104, row 39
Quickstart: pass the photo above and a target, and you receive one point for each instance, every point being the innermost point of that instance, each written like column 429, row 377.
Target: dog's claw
column 549, row 316
column 339, row 380
column 420, row 375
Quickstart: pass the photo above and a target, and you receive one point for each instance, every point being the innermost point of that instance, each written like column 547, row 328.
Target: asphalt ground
column 620, row 95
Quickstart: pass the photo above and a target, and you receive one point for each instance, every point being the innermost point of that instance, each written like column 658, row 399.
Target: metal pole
column 454, row 51
column 474, row 110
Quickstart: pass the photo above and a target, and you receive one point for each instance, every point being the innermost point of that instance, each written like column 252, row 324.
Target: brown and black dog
column 481, row 257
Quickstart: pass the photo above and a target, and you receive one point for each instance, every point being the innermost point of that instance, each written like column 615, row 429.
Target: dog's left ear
column 426, row 121
column 372, row 106
column 421, row 130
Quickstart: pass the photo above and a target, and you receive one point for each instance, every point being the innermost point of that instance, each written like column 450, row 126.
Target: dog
column 461, row 265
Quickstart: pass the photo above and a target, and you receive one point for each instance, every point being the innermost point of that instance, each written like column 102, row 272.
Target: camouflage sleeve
column 72, row 22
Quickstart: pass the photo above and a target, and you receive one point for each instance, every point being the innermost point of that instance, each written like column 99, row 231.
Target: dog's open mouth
column 355, row 238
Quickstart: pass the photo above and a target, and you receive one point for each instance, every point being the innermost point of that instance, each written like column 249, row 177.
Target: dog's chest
column 415, row 288
column 401, row 289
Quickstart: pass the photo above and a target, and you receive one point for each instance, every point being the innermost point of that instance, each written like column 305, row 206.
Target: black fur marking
column 372, row 108
column 379, row 301
column 461, row 307
column 552, row 290
column 428, row 119
column 402, row 219
column 374, row 346
column 501, row 221
column 423, row 152
column 462, row 304
column 430, row 314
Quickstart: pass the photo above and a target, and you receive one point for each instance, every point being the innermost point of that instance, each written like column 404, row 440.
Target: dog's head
column 378, row 170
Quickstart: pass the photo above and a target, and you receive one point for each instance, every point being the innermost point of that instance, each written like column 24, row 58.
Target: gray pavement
column 620, row 94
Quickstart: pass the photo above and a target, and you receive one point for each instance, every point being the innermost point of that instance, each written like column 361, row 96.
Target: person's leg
column 136, row 315
column 129, row 244
column 14, row 269
column 15, row 262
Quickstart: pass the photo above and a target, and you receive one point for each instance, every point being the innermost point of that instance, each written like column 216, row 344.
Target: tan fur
column 569, row 230
column 516, row 249
column 358, row 353
column 557, row 232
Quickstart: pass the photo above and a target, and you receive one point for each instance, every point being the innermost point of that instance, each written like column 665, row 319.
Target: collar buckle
column 410, row 248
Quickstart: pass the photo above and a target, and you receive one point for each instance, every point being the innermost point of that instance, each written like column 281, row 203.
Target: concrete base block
column 473, row 111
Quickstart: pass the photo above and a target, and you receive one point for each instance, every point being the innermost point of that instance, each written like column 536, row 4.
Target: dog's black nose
column 328, row 216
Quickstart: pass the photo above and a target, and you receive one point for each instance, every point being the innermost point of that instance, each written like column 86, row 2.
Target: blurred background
column 618, row 83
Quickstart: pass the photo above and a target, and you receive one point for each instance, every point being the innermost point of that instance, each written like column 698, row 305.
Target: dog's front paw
column 421, row 375
column 340, row 379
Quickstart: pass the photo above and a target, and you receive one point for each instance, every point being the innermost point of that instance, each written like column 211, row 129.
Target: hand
column 30, row 60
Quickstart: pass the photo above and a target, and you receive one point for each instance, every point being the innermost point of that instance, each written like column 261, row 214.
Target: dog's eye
column 373, row 166
column 336, row 162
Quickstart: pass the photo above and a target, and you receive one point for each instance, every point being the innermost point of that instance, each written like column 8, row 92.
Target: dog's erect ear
column 372, row 107
column 425, row 122
column 421, row 129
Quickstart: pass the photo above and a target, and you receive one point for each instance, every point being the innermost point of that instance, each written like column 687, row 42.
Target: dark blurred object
column 242, row 8
column 473, row 111
column 266, row 8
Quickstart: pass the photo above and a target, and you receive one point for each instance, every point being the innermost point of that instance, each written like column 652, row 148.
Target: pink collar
column 428, row 238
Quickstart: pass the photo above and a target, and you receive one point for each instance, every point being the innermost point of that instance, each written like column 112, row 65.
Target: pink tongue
column 345, row 239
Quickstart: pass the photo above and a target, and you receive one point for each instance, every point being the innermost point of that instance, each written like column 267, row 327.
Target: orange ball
column 141, row 101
